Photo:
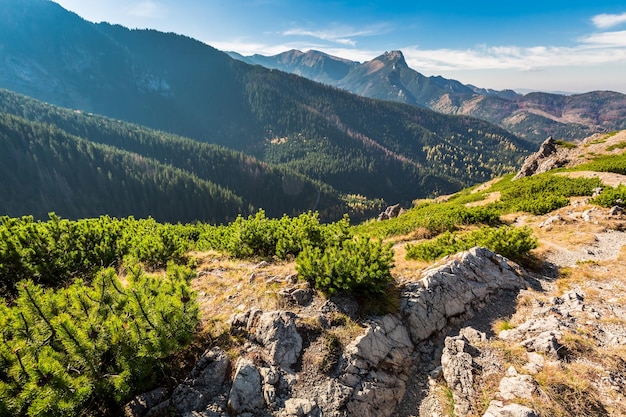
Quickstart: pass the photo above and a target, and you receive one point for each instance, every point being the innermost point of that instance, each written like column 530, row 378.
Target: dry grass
column 500, row 325
column 406, row 270
column 567, row 391
column 226, row 286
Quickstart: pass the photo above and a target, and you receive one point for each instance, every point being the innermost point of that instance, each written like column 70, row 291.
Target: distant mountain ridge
column 358, row 147
column 533, row 116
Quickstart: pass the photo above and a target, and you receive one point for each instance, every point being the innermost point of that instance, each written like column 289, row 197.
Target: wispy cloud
column 517, row 58
column 606, row 39
column 605, row 21
column 337, row 34
column 147, row 9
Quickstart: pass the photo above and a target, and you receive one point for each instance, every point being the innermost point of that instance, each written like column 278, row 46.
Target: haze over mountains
column 533, row 116
column 350, row 146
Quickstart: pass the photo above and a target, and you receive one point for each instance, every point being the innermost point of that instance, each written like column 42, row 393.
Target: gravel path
column 606, row 247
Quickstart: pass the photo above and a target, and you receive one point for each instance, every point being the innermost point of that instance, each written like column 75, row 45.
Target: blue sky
column 548, row 45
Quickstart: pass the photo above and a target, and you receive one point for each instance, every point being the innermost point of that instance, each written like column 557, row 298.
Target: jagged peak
column 395, row 57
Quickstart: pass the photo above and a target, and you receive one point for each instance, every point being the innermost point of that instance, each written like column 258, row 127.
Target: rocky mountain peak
column 394, row 57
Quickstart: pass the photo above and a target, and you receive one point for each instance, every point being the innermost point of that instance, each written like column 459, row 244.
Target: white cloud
column 606, row 39
column 146, row 9
column 512, row 57
column 337, row 34
column 605, row 21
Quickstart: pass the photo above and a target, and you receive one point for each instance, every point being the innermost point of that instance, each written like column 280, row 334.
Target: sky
column 549, row 45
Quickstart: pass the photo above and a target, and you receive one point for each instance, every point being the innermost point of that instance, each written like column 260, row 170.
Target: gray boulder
column 453, row 291
column 298, row 407
column 277, row 332
column 205, row 381
column 514, row 385
column 141, row 404
column 498, row 409
column 246, row 392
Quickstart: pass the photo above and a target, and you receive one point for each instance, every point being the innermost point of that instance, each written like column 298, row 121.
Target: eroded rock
column 205, row 382
column 276, row 331
column 246, row 392
column 457, row 364
column 453, row 291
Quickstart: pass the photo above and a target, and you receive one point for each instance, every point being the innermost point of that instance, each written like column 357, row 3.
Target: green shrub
column 64, row 351
column 606, row 163
column 265, row 237
column 610, row 196
column 357, row 266
column 541, row 194
column 565, row 144
column 55, row 252
column 510, row 242
column 434, row 217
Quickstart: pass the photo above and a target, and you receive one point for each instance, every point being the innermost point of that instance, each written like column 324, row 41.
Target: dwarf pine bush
column 358, row 266
column 63, row 350
column 511, row 242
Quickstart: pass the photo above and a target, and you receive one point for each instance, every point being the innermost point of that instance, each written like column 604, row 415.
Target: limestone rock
column 277, row 332
column 539, row 335
column 457, row 365
column 205, row 381
column 141, row 404
column 545, row 159
column 297, row 296
column 298, row 407
column 453, row 290
column 246, row 393
column 390, row 212
column 515, row 385
column 498, row 409
column 376, row 365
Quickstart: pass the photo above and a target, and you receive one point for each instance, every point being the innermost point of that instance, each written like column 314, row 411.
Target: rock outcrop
column 390, row 212
column 452, row 292
column 545, row 159
column 457, row 364
column 376, row 365
column 370, row 378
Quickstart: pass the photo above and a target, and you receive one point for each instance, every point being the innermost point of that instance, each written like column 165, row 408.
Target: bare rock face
column 205, row 382
column 246, row 393
column 390, row 212
column 276, row 331
column 453, row 291
column 457, row 364
column 545, row 159
column 141, row 404
column 376, row 365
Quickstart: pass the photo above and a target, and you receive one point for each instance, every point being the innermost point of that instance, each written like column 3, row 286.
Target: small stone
column 261, row 264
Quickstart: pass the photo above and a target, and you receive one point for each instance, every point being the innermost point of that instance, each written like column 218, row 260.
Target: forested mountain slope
column 80, row 165
column 176, row 84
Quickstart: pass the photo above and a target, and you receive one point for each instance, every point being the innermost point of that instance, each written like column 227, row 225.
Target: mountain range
column 533, row 116
column 361, row 149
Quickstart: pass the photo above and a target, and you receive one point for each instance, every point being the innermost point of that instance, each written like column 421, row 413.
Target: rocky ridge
column 368, row 377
